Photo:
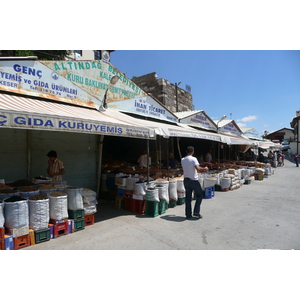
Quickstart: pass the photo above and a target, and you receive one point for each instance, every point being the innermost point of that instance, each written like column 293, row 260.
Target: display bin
column 128, row 203
column 180, row 201
column 172, row 203
column 42, row 235
column 162, row 207
column 76, row 214
column 60, row 229
column 209, row 192
column 21, row 241
column 138, row 206
column 152, row 208
column 78, row 225
column 89, row 220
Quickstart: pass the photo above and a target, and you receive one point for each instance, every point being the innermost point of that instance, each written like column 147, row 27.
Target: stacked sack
column 89, row 198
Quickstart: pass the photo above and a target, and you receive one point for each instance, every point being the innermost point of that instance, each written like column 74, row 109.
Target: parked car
column 285, row 146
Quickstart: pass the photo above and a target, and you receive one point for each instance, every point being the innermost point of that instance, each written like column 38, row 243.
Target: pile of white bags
column 173, row 195
column 89, row 198
column 152, row 195
column 16, row 214
column 58, row 207
column 38, row 214
column 1, row 214
column 75, row 201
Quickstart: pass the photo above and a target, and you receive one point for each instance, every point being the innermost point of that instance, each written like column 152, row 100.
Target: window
column 78, row 52
column 97, row 54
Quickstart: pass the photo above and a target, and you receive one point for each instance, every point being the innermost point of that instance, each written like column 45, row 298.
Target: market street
column 262, row 215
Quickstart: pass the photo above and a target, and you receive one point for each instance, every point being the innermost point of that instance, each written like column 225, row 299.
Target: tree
column 41, row 54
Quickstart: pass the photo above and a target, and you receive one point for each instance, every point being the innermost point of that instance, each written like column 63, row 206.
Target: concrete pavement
column 262, row 215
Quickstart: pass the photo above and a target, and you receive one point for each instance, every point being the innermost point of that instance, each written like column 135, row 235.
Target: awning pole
column 28, row 155
column 99, row 172
column 148, row 175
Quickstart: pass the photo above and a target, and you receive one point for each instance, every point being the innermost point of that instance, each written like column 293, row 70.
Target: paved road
column 262, row 215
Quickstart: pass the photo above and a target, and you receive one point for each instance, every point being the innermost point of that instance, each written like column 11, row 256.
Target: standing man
column 55, row 166
column 190, row 166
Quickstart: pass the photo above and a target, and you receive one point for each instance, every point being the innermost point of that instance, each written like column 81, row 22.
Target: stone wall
column 165, row 92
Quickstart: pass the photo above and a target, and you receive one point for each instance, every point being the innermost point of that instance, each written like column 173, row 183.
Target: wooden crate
column 21, row 241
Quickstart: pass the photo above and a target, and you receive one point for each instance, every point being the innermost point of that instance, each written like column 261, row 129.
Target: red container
column 128, row 203
column 89, row 220
column 138, row 206
column 21, row 241
column 60, row 229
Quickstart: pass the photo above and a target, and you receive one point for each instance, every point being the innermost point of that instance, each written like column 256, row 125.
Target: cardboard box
column 16, row 232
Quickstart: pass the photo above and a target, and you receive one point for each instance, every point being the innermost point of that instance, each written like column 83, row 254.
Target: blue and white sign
column 145, row 106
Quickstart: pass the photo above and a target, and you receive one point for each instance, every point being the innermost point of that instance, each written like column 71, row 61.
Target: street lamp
column 112, row 82
column 176, row 94
column 224, row 117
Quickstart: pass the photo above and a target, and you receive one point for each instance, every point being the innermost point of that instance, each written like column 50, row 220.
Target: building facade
column 170, row 95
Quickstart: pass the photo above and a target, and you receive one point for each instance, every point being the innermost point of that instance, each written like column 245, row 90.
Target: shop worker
column 190, row 166
column 143, row 160
column 208, row 156
column 55, row 166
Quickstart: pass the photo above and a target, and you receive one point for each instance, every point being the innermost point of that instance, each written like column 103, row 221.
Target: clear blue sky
column 259, row 88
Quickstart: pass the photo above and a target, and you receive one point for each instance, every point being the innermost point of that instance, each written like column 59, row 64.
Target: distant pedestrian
column 290, row 152
column 190, row 166
column 296, row 158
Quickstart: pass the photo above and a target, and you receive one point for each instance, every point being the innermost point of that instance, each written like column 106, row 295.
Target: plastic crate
column 209, row 192
column 78, row 225
column 76, row 214
column 89, row 220
column 247, row 181
column 162, row 207
column 21, row 241
column 180, row 201
column 42, row 235
column 172, row 203
column 138, row 206
column 152, row 208
column 128, row 203
column 60, row 229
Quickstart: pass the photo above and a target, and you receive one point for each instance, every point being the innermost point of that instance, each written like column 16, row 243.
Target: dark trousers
column 190, row 186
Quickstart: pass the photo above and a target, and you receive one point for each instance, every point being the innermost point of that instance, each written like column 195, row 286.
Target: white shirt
column 143, row 160
column 188, row 164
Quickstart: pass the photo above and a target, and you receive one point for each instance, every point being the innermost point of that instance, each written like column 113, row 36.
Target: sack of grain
column 58, row 205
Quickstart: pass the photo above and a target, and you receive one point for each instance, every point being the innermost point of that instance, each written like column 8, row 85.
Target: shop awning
column 235, row 140
column 29, row 113
column 170, row 130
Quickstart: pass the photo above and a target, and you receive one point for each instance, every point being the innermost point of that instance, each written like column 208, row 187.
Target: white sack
column 173, row 190
column 58, row 207
column 75, row 200
column 2, row 214
column 38, row 214
column 16, row 214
